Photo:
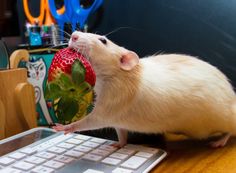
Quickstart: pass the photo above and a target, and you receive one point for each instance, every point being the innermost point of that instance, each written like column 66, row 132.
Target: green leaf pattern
column 71, row 95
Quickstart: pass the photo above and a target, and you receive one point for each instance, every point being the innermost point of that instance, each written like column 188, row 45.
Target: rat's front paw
column 66, row 128
column 119, row 144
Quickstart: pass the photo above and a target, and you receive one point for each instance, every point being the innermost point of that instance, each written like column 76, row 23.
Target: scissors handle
column 97, row 4
column 65, row 16
column 48, row 17
column 33, row 20
column 82, row 14
column 61, row 18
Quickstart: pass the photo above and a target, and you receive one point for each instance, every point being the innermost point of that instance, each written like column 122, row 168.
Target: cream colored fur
column 163, row 93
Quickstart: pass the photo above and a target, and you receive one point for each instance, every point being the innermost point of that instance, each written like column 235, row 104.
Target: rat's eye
column 103, row 40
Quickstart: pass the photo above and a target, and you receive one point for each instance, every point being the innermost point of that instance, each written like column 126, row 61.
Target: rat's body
column 157, row 94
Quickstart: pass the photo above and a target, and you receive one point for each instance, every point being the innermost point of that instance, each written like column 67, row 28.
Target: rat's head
column 105, row 56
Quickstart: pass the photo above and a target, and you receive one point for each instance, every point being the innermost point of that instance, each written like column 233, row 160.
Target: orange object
column 48, row 17
column 45, row 17
column 34, row 20
column 61, row 10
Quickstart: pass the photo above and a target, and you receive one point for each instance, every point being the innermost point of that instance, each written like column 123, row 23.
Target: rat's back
column 184, row 94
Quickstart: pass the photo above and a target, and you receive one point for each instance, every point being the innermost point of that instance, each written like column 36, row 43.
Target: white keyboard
column 56, row 152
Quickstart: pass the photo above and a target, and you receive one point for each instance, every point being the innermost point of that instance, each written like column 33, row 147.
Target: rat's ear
column 129, row 60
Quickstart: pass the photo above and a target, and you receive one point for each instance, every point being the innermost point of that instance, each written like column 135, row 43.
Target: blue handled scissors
column 82, row 14
column 64, row 17
column 73, row 13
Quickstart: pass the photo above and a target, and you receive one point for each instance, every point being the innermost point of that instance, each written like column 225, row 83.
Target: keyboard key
column 73, row 153
column 42, row 169
column 74, row 141
column 66, row 145
column 98, row 140
column 122, row 170
column 111, row 161
column 108, row 148
column 126, row 151
column 35, row 160
column 144, row 154
column 24, row 166
column 82, row 148
column 64, row 159
column 134, row 162
column 5, row 161
column 10, row 170
column 133, row 147
column 150, row 150
column 17, row 155
column 52, row 142
column 110, row 142
column 56, row 150
column 119, row 156
column 92, row 171
column 54, row 164
column 142, row 148
column 28, row 151
column 82, row 137
column 100, row 152
column 92, row 157
column 46, row 155
column 90, row 144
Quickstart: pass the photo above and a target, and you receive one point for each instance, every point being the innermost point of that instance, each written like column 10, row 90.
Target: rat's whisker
column 121, row 28
column 58, row 37
column 60, row 30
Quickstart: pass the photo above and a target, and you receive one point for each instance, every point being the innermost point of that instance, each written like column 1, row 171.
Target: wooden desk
column 189, row 156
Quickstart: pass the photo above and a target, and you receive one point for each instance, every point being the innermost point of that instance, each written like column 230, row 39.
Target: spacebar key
column 134, row 162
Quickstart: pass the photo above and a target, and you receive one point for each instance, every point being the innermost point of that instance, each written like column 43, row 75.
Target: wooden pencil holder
column 17, row 101
column 2, row 120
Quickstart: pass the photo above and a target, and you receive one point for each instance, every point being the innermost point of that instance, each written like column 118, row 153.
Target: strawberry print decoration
column 70, row 85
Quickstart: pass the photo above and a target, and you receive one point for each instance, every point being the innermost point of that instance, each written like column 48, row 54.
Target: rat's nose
column 74, row 38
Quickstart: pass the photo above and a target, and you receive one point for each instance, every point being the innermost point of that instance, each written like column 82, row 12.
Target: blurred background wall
column 202, row 28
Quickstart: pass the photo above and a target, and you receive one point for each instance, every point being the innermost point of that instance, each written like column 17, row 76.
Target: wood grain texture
column 2, row 120
column 19, row 103
column 25, row 101
column 17, row 56
column 193, row 156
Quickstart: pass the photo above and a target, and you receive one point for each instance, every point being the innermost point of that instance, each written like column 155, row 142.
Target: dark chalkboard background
column 203, row 28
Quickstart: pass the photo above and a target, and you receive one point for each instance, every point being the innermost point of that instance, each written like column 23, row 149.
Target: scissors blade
column 34, row 20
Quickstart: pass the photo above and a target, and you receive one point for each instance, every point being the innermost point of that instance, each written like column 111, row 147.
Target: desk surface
column 190, row 156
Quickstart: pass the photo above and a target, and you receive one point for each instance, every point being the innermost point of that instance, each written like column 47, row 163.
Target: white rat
column 156, row 94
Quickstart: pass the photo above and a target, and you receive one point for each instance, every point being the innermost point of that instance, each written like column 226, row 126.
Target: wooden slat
column 193, row 156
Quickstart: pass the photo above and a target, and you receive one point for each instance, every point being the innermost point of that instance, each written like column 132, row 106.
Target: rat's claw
column 221, row 141
column 60, row 127
column 57, row 127
column 70, row 128
column 118, row 144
